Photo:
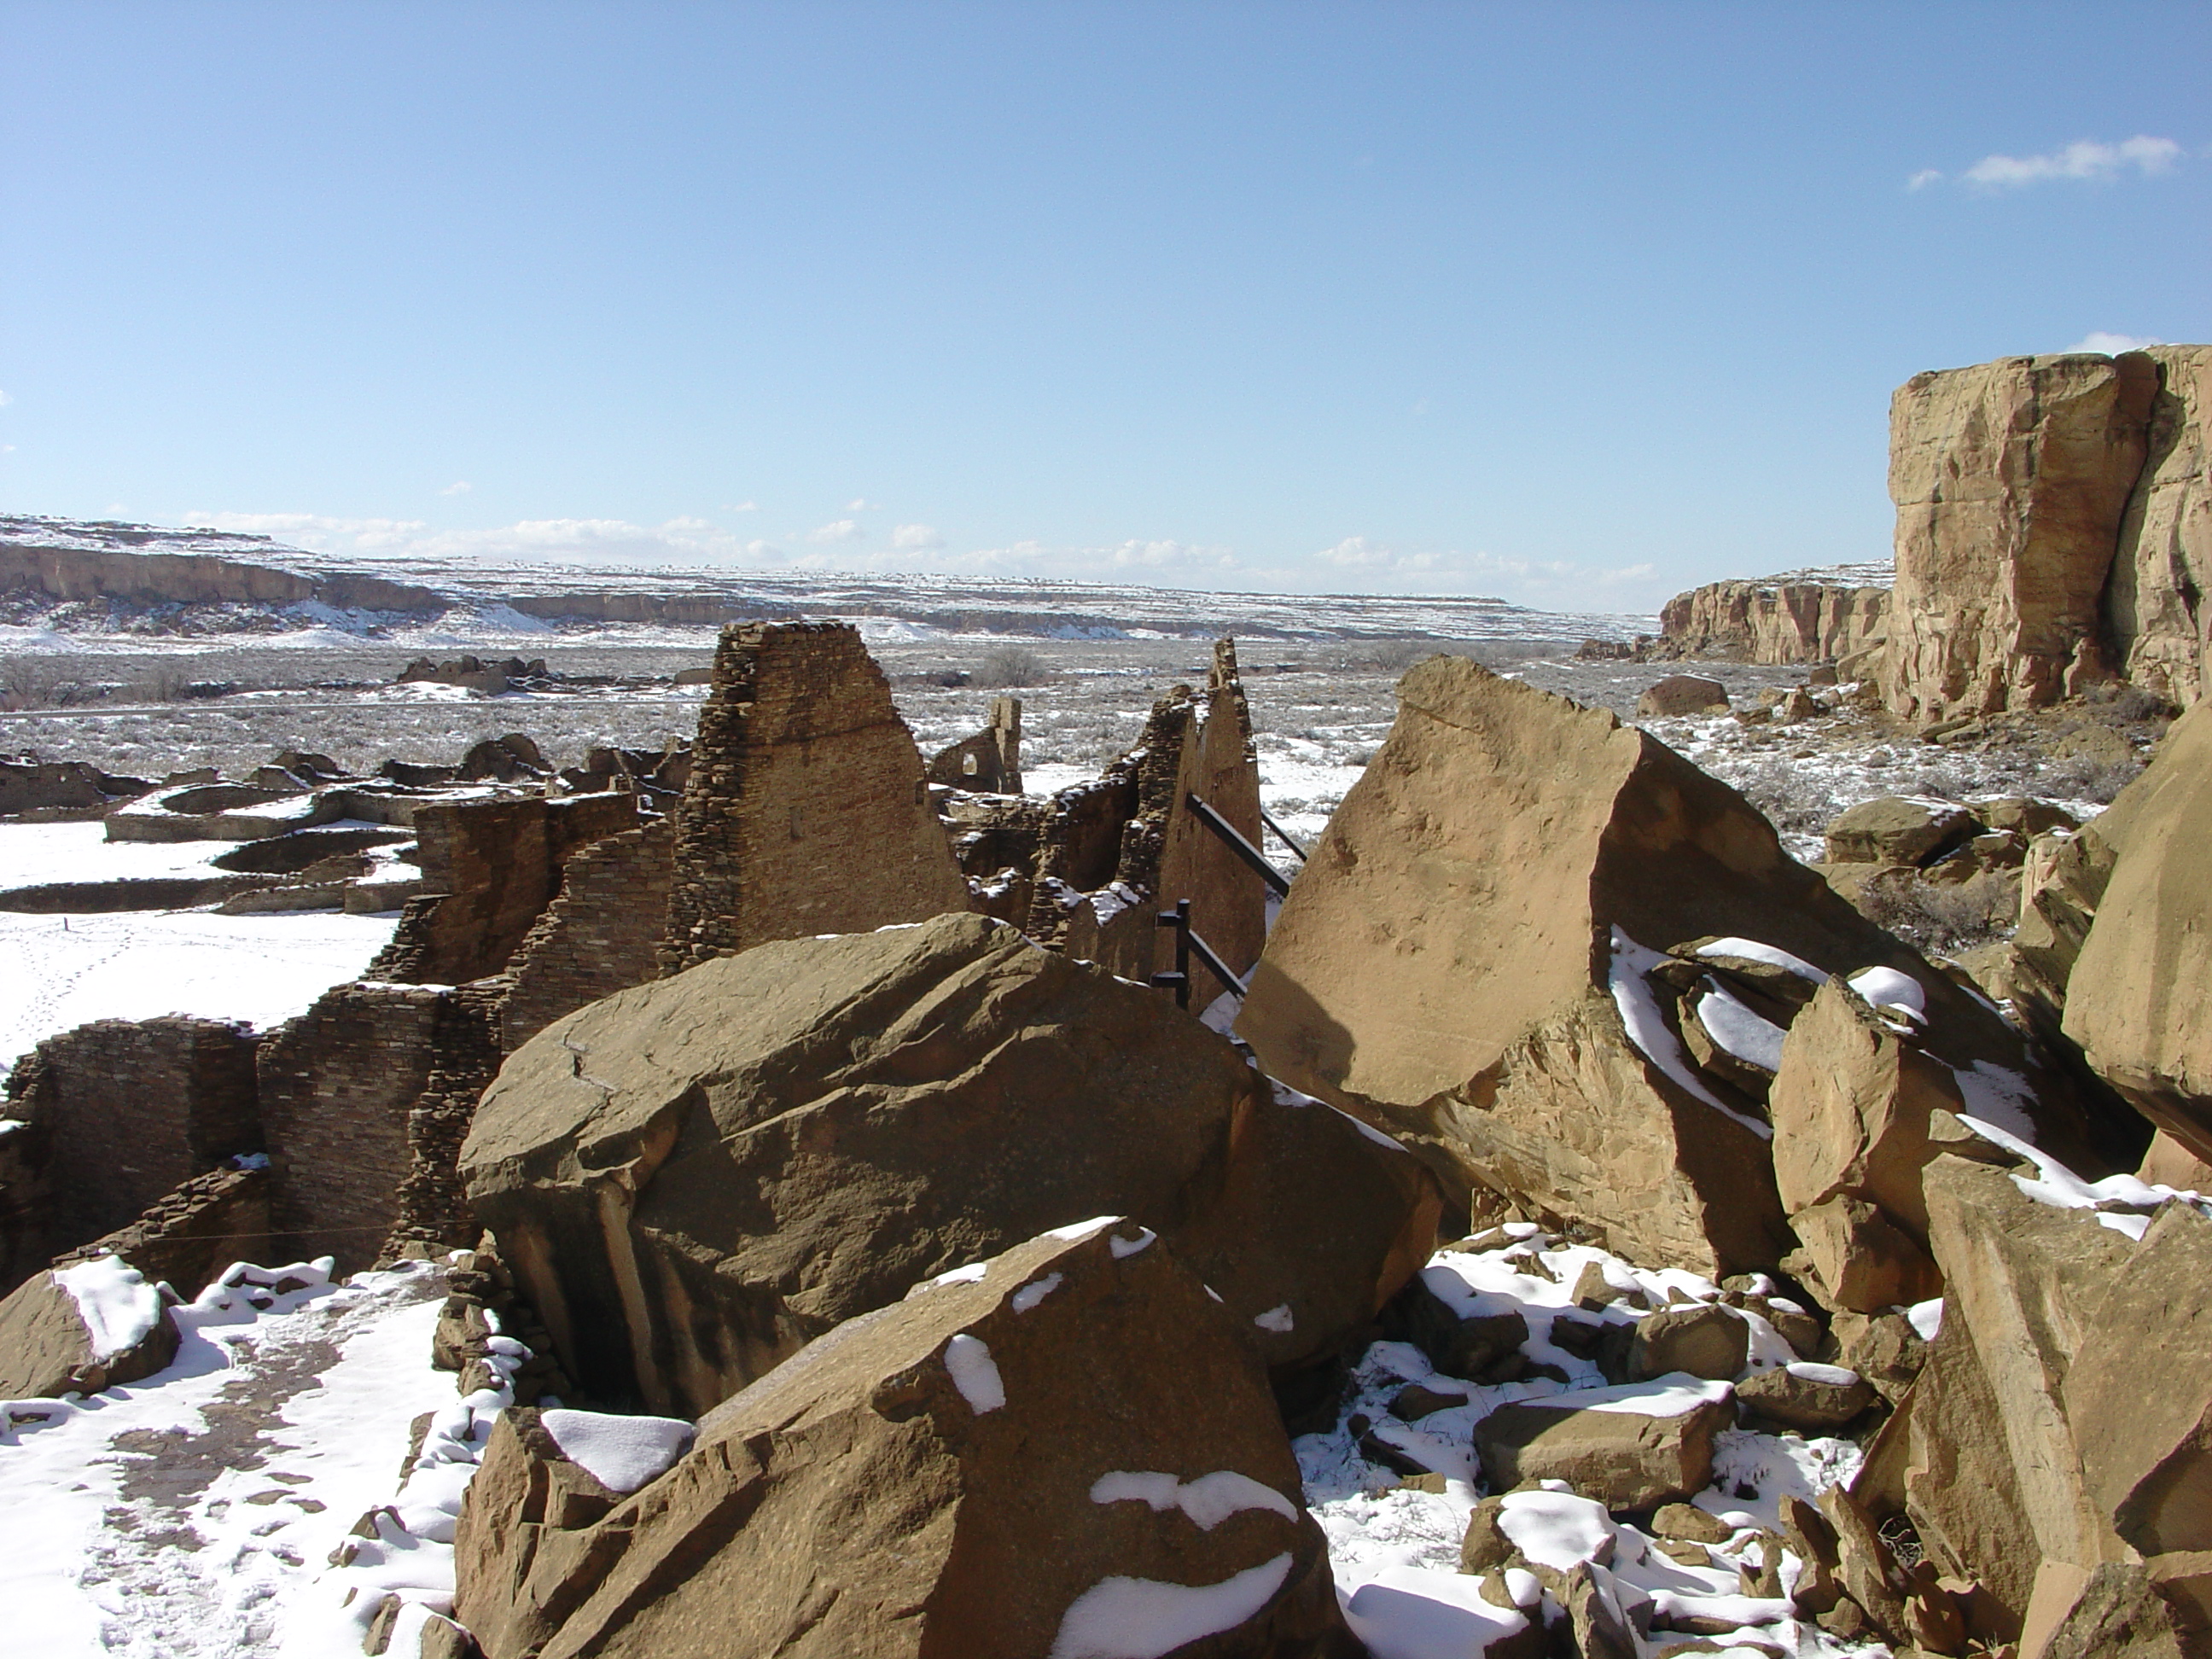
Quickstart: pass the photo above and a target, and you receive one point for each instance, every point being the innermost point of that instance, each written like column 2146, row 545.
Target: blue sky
column 1576, row 305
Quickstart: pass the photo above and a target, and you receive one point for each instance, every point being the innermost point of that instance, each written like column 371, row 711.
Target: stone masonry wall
column 190, row 1235
column 807, row 811
column 131, row 1109
column 489, row 868
column 1195, row 742
column 432, row 1213
column 601, row 935
column 338, row 1085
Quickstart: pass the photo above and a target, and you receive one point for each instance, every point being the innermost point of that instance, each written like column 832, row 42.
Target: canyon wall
column 2011, row 480
column 1777, row 620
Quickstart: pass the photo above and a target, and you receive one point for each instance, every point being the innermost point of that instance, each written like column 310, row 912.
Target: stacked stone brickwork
column 489, row 868
column 22, row 1201
column 2011, row 479
column 129, row 1110
column 433, row 1214
column 998, row 840
column 338, row 1087
column 1138, row 817
column 601, row 935
column 990, row 762
column 190, row 1235
column 807, row 811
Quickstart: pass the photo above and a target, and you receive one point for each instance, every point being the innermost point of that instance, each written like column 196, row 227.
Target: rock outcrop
column 694, row 1178
column 2136, row 999
column 1070, row 1451
column 807, row 811
column 1518, row 918
column 1776, row 619
column 2055, row 1450
column 2156, row 606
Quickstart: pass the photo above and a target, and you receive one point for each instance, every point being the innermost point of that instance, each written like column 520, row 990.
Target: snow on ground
column 58, row 972
column 194, row 1513
column 33, row 854
column 1395, row 1548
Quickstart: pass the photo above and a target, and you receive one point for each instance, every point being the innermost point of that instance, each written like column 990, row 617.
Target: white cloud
column 1924, row 178
column 2112, row 345
column 917, row 538
column 459, row 487
column 5, row 400
column 862, row 504
column 678, row 541
column 2083, row 159
column 741, row 506
column 844, row 529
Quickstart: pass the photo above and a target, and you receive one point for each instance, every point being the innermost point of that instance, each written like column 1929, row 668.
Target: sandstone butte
column 2054, row 528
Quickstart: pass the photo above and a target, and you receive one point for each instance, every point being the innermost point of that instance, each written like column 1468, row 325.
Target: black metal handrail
column 1233, row 838
column 1189, row 943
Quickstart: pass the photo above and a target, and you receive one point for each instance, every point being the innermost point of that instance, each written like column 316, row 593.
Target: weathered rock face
column 1031, row 1461
column 1899, row 830
column 1474, row 960
column 1851, row 1103
column 1774, row 621
column 694, row 1178
column 2156, row 606
column 2057, row 1433
column 806, row 812
column 2011, row 479
column 84, row 1328
column 2136, row 1000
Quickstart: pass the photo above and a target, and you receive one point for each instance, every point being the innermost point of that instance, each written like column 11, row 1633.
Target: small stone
column 1691, row 1524
column 1415, row 1401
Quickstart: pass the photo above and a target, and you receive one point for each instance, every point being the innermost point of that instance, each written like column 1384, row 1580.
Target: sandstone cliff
column 1775, row 619
column 2155, row 607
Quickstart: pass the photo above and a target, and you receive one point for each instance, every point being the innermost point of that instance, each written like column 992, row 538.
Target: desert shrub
column 1012, row 666
column 2081, row 777
column 1945, row 919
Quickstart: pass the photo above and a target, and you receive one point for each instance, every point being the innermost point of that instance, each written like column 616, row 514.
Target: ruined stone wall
column 990, row 762
column 23, row 1250
column 130, row 1110
column 432, row 1213
column 1137, row 815
column 601, row 935
column 2011, row 481
column 338, row 1086
column 190, row 1235
column 807, row 811
column 489, row 868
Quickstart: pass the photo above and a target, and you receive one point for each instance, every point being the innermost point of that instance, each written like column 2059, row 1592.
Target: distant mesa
column 2054, row 530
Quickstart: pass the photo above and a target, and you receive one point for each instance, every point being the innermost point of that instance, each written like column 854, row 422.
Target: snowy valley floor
column 197, row 1513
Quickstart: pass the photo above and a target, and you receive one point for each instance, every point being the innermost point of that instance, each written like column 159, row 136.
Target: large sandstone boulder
column 2058, row 1436
column 694, row 1178
column 2010, row 479
column 1900, row 829
column 1682, row 694
column 1477, row 959
column 2136, row 1000
column 82, row 1329
column 2156, row 606
column 1073, row 1452
column 1630, row 1448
